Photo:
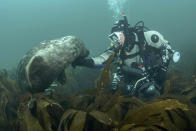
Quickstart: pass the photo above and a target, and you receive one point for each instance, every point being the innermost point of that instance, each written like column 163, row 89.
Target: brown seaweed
column 37, row 112
column 104, row 80
column 73, row 120
column 166, row 115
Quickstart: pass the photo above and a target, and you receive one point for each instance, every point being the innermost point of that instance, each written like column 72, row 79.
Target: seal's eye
column 154, row 38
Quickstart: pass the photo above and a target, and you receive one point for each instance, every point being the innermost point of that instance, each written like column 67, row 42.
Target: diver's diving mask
column 117, row 38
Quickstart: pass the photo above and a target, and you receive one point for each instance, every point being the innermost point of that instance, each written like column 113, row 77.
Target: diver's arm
column 100, row 60
column 94, row 62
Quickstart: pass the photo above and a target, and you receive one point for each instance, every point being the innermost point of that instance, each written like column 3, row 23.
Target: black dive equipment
column 121, row 25
column 130, row 34
column 124, row 26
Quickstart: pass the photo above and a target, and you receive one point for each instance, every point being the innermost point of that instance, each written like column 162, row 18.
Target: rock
column 44, row 63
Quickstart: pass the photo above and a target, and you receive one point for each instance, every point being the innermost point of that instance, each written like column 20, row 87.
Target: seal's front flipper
column 62, row 78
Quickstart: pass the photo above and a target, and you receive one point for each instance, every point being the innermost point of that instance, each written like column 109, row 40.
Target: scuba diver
column 141, row 56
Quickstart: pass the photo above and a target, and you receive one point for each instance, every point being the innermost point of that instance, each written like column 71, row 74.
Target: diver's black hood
column 123, row 26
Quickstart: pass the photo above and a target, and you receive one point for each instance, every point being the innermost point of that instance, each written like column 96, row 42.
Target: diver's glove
column 88, row 62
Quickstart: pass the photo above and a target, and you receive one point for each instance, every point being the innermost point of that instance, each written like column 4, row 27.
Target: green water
column 25, row 23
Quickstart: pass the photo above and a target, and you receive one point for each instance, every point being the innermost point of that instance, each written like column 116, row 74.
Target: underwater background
column 24, row 24
column 35, row 97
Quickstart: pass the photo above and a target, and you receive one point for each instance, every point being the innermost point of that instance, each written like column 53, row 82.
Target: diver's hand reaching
column 88, row 62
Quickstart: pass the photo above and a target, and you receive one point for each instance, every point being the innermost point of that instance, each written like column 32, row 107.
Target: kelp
column 66, row 119
column 97, row 108
column 104, row 80
column 122, row 106
column 103, row 83
column 9, row 92
column 163, row 115
column 74, row 120
column 37, row 112
column 179, row 85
